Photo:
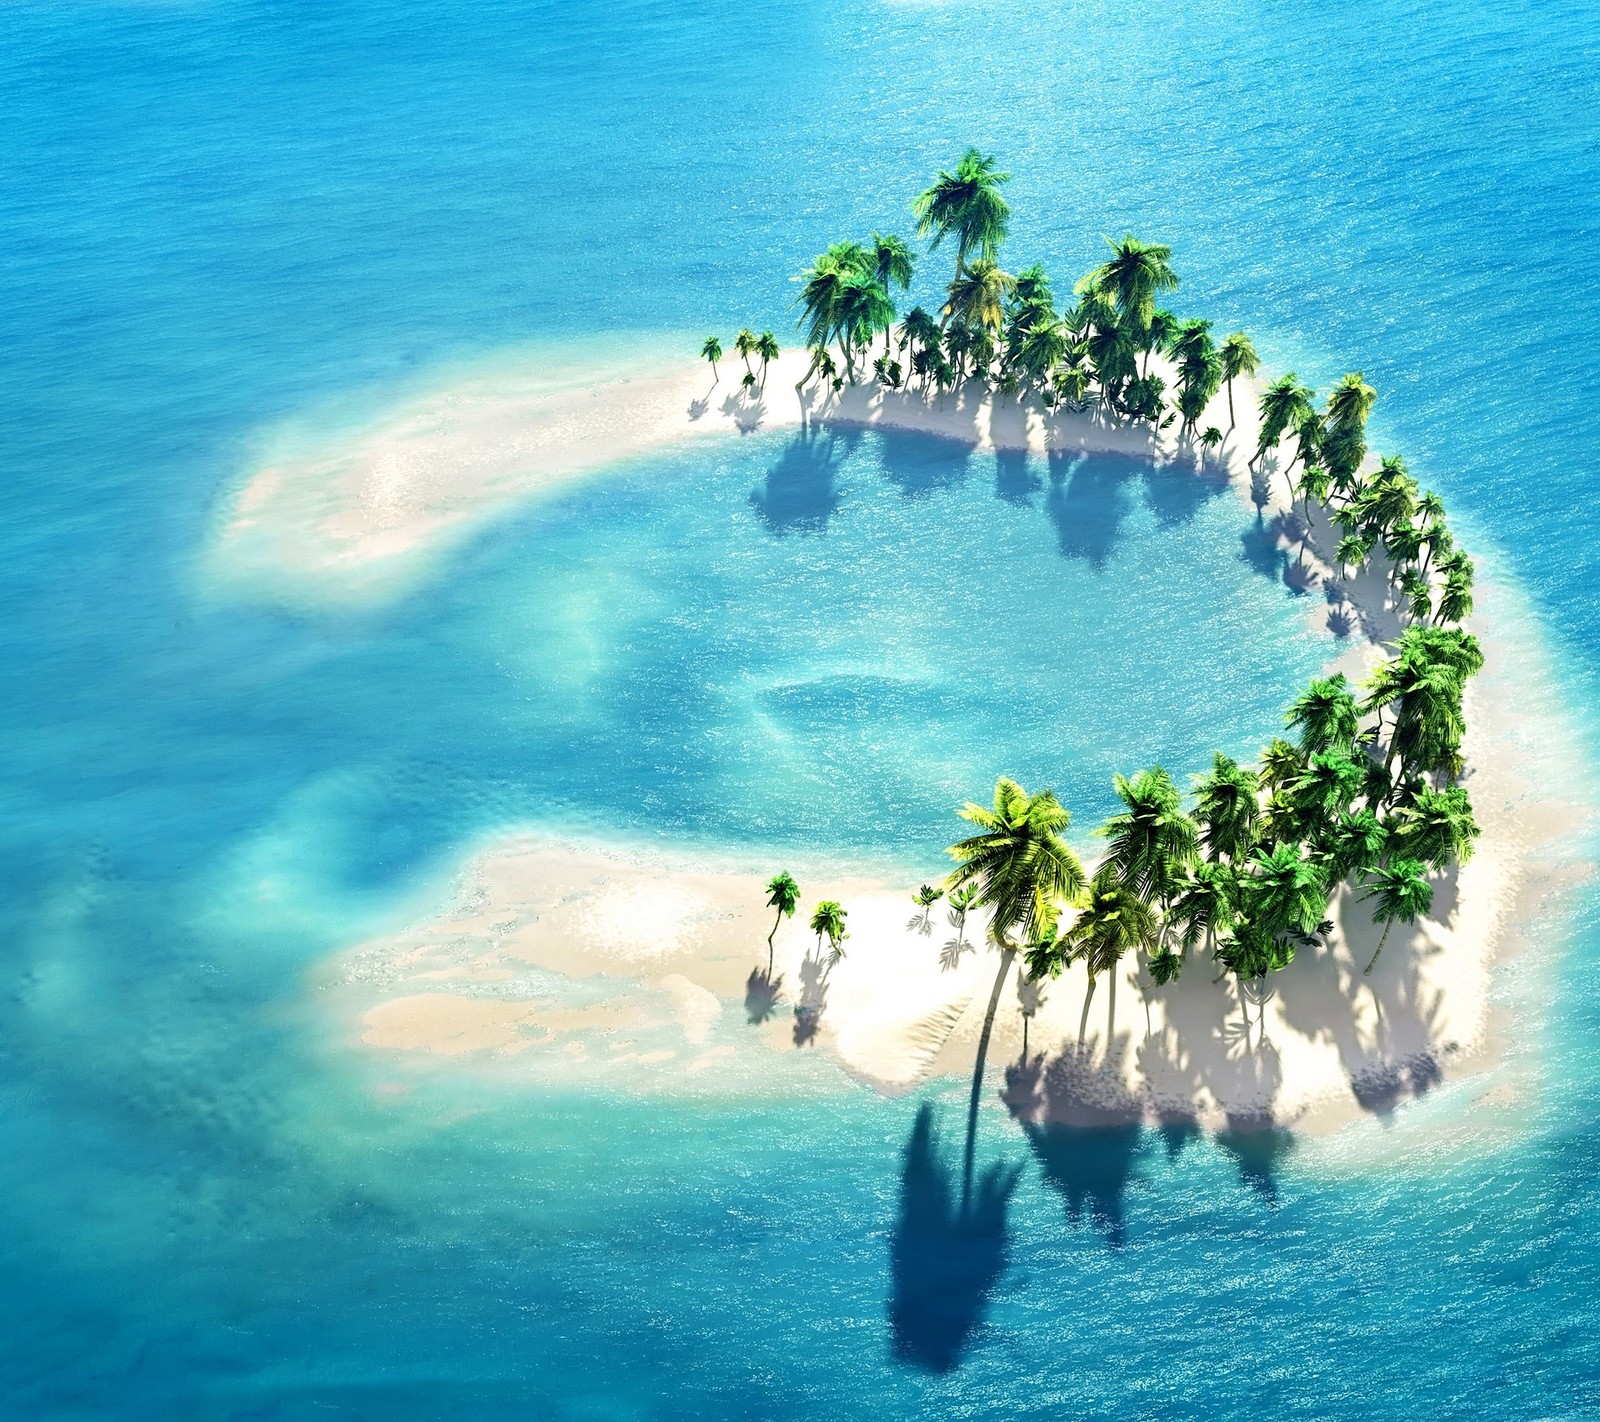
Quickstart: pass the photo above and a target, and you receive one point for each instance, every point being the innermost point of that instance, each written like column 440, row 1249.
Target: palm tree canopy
column 767, row 346
column 966, row 202
column 1239, row 356
column 1437, row 828
column 1403, row 894
column 712, row 349
column 978, row 294
column 1134, row 275
column 1281, row 764
column 1204, row 901
column 1326, row 714
column 1022, row 867
column 1284, row 892
column 1115, row 919
column 893, row 260
column 828, row 920
column 1355, row 844
column 1282, row 404
column 1151, row 843
column 783, row 894
column 1226, row 808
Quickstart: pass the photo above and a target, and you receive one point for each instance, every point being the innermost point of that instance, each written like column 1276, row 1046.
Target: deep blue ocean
column 216, row 215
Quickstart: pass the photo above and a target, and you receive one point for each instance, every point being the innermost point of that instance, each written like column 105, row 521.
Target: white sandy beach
column 358, row 514
column 657, row 964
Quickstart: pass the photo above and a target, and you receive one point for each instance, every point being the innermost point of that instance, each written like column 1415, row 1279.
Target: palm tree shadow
column 1086, row 1137
column 919, row 464
column 1260, row 549
column 813, row 1000
column 761, row 993
column 799, row 493
column 1258, row 1145
column 1089, row 499
column 1016, row 480
column 943, row 1262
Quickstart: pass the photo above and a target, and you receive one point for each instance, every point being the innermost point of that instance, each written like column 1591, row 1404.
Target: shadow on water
column 1258, row 1149
column 799, row 493
column 943, row 1261
column 1016, row 480
column 1092, row 1167
column 919, row 465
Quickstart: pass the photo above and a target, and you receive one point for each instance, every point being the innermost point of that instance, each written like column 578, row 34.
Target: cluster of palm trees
column 1363, row 800
column 827, row 919
column 747, row 345
column 1006, row 331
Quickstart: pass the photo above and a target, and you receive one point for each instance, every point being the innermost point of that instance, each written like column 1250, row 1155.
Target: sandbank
column 565, row 957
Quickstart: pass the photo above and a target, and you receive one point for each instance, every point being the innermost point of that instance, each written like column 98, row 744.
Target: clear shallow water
column 215, row 216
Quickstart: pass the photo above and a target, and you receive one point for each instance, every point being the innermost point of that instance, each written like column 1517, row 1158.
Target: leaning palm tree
column 1114, row 920
column 1023, row 870
column 966, row 203
column 827, row 921
column 1403, row 895
column 1238, row 358
column 783, row 894
column 711, row 350
column 1283, row 404
column 767, row 349
column 745, row 344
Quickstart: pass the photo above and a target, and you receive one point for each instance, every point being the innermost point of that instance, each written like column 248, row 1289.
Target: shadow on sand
column 943, row 1261
column 761, row 993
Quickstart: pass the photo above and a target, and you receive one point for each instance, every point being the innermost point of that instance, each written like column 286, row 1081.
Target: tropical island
column 1364, row 800
column 1211, row 887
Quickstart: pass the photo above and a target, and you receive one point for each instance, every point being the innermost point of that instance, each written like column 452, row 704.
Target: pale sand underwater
column 655, row 965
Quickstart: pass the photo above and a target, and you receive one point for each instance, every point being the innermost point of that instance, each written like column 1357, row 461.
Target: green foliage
column 1021, row 866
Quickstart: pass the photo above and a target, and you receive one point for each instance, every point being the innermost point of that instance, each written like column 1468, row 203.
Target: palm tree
column 1283, row 403
column 712, row 351
column 926, row 897
column 1023, row 870
column 919, row 330
column 961, row 901
column 1344, row 427
column 1437, row 827
column 966, row 202
column 1326, row 714
column 1151, row 843
column 1226, row 808
column 783, row 894
column 767, row 349
column 1134, row 275
column 1238, row 358
column 1281, row 764
column 1115, row 919
column 745, row 344
column 977, row 296
column 1403, row 895
column 1283, row 892
column 828, row 920
column 1354, row 845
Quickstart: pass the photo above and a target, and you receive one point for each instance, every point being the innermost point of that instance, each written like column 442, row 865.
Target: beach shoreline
column 665, row 945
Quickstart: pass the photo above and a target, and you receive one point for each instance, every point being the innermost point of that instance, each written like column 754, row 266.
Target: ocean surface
column 215, row 216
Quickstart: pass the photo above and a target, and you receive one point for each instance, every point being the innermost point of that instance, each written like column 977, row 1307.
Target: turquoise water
column 216, row 216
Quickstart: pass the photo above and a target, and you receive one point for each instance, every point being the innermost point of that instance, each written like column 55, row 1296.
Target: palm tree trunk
column 1367, row 971
column 1083, row 1022
column 1244, row 1012
column 1007, row 957
column 1231, row 420
column 1111, row 1012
